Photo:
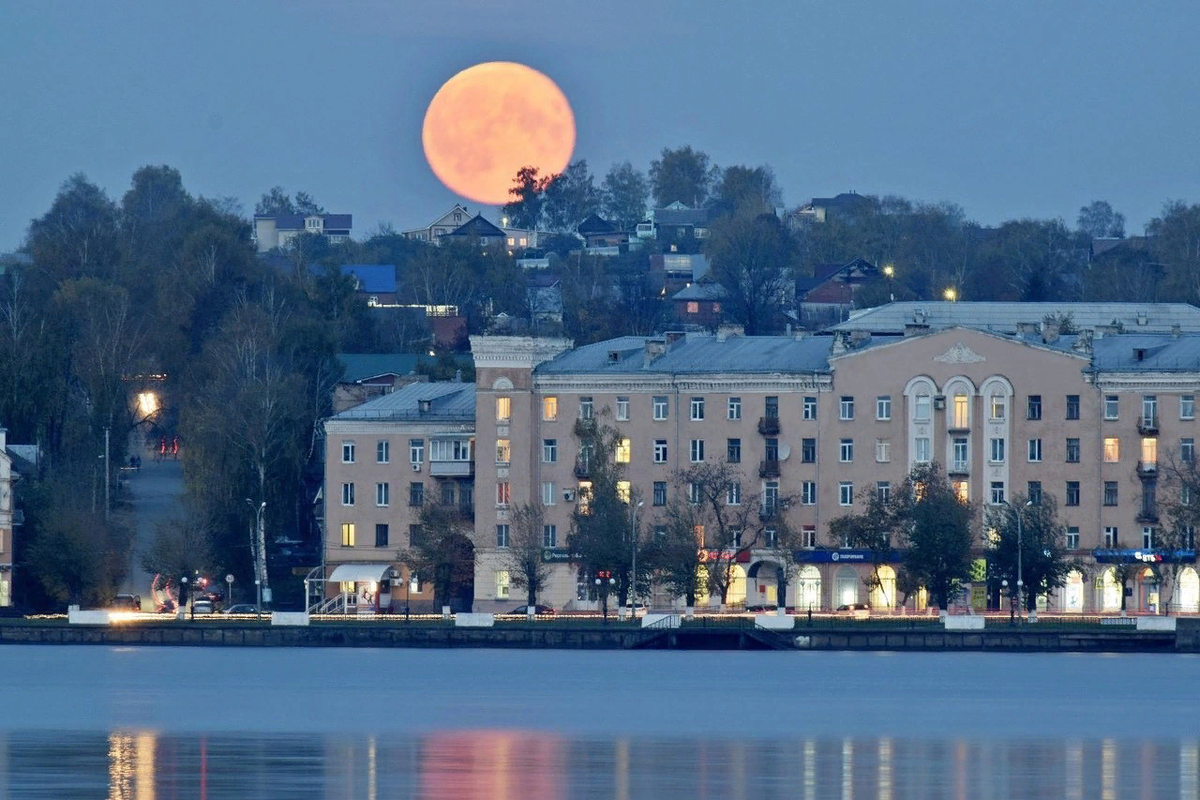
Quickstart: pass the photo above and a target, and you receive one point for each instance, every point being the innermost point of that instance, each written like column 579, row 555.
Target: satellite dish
column 785, row 450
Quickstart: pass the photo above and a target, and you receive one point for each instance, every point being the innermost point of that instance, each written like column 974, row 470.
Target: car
column 202, row 607
column 241, row 608
column 854, row 607
column 539, row 610
column 127, row 602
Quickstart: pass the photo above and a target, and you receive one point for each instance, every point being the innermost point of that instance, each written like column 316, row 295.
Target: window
column 502, row 584
column 503, row 451
column 623, row 491
column 1110, row 537
column 503, row 409
column 922, row 450
column 808, row 536
column 1112, row 449
column 961, row 455
column 883, row 407
column 845, row 493
column 383, row 493
column 997, row 492
column 1072, row 493
column 1035, row 450
column 660, row 493
column 1187, row 406
column 660, row 451
column 771, row 497
column 883, row 491
column 1072, row 406
column 1185, row 495
column 416, row 450
column 660, row 407
column 347, row 534
column 1035, row 407
column 810, row 408
column 1033, row 491
column 381, row 534
column 733, row 495
column 1149, row 409
column 1147, row 537
column 694, row 493
column 770, row 537
column 962, row 490
column 549, row 451
column 447, row 494
column 660, row 532
column 922, row 408
column 771, row 407
column 416, row 493
column 503, row 493
column 846, row 451
column 449, row 449
column 961, row 410
column 623, row 451
column 547, row 493
column 697, row 450
column 883, row 451
column 808, row 451
column 622, row 409
column 996, row 406
column 1072, row 451
column 997, row 451
column 1187, row 450
column 347, row 452
column 733, row 408
column 1072, row 537
column 549, row 409
column 1149, row 452
column 1188, row 539
column 586, row 409
column 347, row 494
column 584, row 495
column 693, row 307
column 1110, row 406
column 502, row 535
column 697, row 407
column 1110, row 493
column 549, row 535
column 733, row 451
column 382, row 452
column 808, row 493
column 846, row 408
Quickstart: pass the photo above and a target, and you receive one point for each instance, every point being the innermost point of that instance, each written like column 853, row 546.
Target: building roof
column 373, row 278
column 701, row 291
column 595, row 224
column 338, row 222
column 477, row 226
column 363, row 366
column 679, row 214
column 1146, row 353
column 696, row 353
column 289, row 222
column 448, row 402
column 1005, row 317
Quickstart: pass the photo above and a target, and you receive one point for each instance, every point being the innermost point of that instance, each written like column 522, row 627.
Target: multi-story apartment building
column 1087, row 418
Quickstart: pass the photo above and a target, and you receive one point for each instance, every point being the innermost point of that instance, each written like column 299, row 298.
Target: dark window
column 414, row 535
column 772, row 449
column 1035, row 406
column 733, row 451
column 1072, row 406
column 1072, row 451
column 447, row 494
column 381, row 534
column 1035, row 492
column 1072, row 493
column 1110, row 493
column 416, row 493
column 772, row 408
column 808, row 451
column 660, row 493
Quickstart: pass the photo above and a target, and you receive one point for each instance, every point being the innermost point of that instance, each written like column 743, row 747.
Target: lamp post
column 183, row 592
column 258, row 554
column 633, row 538
column 1011, row 606
column 603, row 588
column 1019, row 512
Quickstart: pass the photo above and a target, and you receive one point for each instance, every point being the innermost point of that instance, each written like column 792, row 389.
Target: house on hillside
column 371, row 375
column 375, row 282
column 600, row 234
column 15, row 461
column 820, row 209
column 446, row 223
column 476, row 229
column 828, row 296
column 278, row 230
column 680, row 229
column 699, row 304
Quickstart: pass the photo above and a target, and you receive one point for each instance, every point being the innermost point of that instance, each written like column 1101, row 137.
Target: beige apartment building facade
column 1086, row 418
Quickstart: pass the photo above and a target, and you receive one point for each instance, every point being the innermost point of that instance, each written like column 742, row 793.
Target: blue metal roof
column 373, row 278
column 449, row 402
column 696, row 354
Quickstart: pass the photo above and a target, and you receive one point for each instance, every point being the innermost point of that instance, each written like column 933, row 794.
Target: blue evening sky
column 1009, row 109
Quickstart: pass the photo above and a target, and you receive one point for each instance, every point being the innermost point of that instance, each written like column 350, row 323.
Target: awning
column 358, row 572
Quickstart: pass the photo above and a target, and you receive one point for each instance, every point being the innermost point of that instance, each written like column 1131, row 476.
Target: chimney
column 1083, row 342
column 1050, row 331
column 1176, row 331
column 458, row 376
column 859, row 337
column 1027, row 330
column 727, row 329
column 839, row 343
column 655, row 348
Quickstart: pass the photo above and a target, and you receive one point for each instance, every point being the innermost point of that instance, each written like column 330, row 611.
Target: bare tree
column 523, row 558
column 441, row 551
column 1175, row 542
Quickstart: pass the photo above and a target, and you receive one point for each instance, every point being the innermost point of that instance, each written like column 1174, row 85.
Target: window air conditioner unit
column 939, row 402
column 569, row 495
column 416, row 466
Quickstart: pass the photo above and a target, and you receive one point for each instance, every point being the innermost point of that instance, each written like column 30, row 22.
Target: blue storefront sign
column 846, row 556
column 1143, row 555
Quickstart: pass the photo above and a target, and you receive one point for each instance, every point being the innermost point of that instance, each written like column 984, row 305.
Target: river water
column 212, row 723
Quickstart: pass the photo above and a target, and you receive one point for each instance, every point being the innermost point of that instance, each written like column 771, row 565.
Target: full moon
column 489, row 121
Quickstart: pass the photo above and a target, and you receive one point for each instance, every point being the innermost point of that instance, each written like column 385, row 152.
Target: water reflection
column 509, row 765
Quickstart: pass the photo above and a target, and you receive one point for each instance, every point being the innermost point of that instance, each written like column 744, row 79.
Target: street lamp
column 258, row 546
column 604, row 588
column 951, row 294
column 1020, row 583
column 634, row 544
column 183, row 592
column 1011, row 606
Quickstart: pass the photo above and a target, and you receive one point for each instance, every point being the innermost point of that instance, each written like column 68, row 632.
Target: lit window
column 584, row 493
column 502, row 584
column 347, row 534
column 549, row 409
column 623, row 491
column 503, row 493
column 503, row 451
column 1112, row 449
column 962, row 411
column 962, row 491
column 623, row 451
column 503, row 409
column 1149, row 452
column 693, row 307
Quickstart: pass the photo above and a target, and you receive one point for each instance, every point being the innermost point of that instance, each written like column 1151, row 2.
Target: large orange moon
column 489, row 121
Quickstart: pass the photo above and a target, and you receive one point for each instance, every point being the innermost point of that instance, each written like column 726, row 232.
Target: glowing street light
column 950, row 294
column 147, row 403
column 889, row 270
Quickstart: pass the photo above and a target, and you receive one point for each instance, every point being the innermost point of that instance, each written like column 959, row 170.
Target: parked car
column 202, row 607
column 854, row 607
column 241, row 608
column 127, row 602
column 541, row 611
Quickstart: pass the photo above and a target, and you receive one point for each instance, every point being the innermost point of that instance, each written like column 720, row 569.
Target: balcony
column 1147, row 516
column 467, row 512
column 769, row 468
column 768, row 426
column 1147, row 469
column 451, row 469
column 959, row 468
column 583, row 469
column 1148, row 425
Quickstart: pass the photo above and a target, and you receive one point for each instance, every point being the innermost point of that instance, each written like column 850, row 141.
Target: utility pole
column 107, row 479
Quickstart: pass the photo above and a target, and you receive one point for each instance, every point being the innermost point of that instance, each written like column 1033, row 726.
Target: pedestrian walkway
column 156, row 495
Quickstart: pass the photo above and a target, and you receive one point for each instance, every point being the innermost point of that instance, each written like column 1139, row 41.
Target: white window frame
column 922, row 450
column 348, row 449
column 661, row 407
column 883, row 451
column 883, row 407
column 1112, row 407
column 549, row 451
column 996, row 447
column 808, row 493
column 846, row 451
column 809, row 409
column 660, row 451
column 696, row 451
column 997, row 493
column 733, row 494
column 845, row 493
column 383, row 451
column 548, row 491
column 1187, row 406
column 846, row 408
column 503, row 408
column 696, row 407
column 622, row 409
column 348, row 493
column 383, row 492
column 1034, row 451
column 733, row 408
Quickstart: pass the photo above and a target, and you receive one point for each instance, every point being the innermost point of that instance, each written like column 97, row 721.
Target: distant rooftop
column 701, row 291
column 447, row 402
column 1005, row 317
column 373, row 278
column 363, row 366
column 695, row 353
